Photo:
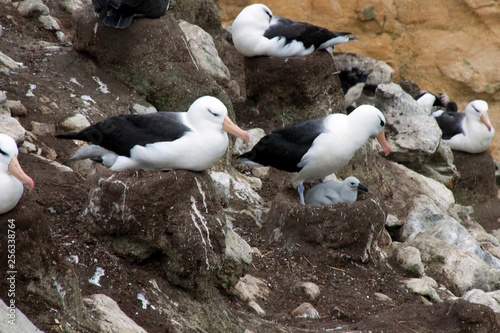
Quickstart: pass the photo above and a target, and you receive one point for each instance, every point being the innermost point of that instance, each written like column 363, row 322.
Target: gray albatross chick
column 332, row 192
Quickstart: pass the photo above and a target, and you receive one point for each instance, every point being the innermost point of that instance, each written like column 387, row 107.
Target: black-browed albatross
column 12, row 176
column 470, row 131
column 194, row 140
column 120, row 13
column 256, row 32
column 315, row 148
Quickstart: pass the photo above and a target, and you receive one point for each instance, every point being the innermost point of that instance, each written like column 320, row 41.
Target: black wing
column 148, row 8
column 450, row 123
column 121, row 133
column 283, row 149
column 306, row 33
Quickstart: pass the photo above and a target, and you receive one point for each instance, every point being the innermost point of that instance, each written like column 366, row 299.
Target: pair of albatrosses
column 194, row 140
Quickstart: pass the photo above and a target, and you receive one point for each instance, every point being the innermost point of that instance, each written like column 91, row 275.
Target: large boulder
column 327, row 233
column 172, row 216
column 152, row 55
column 291, row 90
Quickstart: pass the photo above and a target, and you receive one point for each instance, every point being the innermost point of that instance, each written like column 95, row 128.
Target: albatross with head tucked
column 193, row 140
column 256, row 32
column 12, row 176
column 316, row 148
column 470, row 131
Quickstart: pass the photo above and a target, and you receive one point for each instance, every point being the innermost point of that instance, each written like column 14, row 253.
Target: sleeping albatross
column 470, row 131
column 332, row 192
column 12, row 176
column 120, row 13
column 316, row 148
column 256, row 32
column 193, row 140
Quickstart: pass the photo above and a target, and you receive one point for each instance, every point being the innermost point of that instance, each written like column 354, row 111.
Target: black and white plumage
column 431, row 102
column 352, row 82
column 332, row 192
column 193, row 140
column 471, row 131
column 256, row 32
column 12, row 176
column 120, row 13
column 315, row 148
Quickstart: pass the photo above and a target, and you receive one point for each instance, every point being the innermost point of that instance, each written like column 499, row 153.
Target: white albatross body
column 471, row 131
column 316, row 148
column 256, row 32
column 332, row 192
column 194, row 140
column 12, row 176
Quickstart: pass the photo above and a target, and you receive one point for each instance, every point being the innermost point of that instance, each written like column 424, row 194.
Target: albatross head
column 478, row 109
column 209, row 112
column 370, row 118
column 9, row 162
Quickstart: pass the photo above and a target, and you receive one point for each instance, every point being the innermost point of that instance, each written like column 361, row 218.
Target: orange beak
column 486, row 121
column 16, row 171
column 381, row 140
column 231, row 128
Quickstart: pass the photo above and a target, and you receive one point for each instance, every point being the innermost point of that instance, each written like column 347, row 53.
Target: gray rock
column 305, row 310
column 49, row 23
column 425, row 286
column 414, row 137
column 42, row 128
column 8, row 63
column 250, row 288
column 478, row 296
column 458, row 269
column 236, row 262
column 4, row 105
column 108, row 315
column 75, row 123
column 308, row 289
column 32, row 8
column 14, row 320
column 203, row 50
column 12, row 127
column 140, row 109
column 382, row 73
column 72, row 5
column 426, row 218
column 17, row 109
column 409, row 258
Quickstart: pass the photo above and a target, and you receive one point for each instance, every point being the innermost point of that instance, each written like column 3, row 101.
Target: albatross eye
column 382, row 123
column 476, row 109
column 213, row 113
column 3, row 153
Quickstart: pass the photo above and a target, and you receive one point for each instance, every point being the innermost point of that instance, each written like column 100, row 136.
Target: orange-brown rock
column 443, row 46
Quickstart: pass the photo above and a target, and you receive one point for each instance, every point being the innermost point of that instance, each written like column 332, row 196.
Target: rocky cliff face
column 444, row 46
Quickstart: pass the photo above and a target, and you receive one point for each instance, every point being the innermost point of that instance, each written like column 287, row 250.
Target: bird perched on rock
column 470, row 131
column 193, row 140
column 12, row 176
column 316, row 148
column 120, row 13
column 332, row 192
column 352, row 82
column 256, row 32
